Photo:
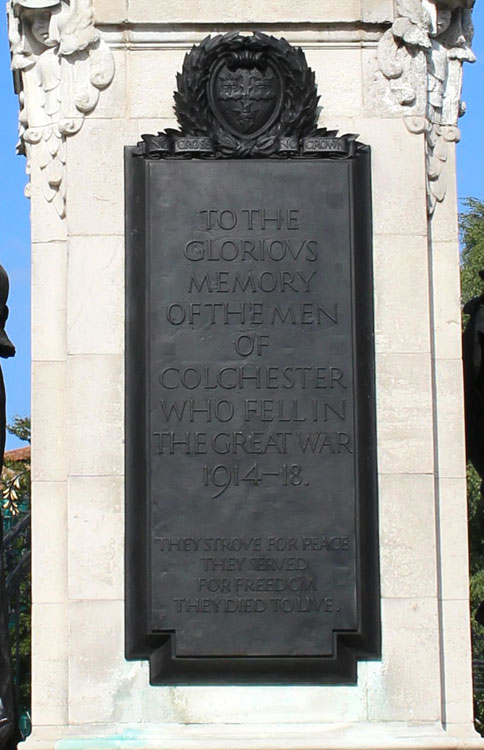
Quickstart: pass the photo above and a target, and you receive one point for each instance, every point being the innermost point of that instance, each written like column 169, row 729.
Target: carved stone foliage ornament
column 246, row 96
column 421, row 58
column 60, row 65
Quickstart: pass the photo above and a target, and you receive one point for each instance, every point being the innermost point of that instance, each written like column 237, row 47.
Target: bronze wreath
column 299, row 110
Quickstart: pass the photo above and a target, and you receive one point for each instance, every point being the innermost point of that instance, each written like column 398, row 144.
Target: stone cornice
column 163, row 36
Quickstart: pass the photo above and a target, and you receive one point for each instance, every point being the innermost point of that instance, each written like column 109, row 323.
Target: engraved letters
column 251, row 492
column 281, row 266
column 252, row 401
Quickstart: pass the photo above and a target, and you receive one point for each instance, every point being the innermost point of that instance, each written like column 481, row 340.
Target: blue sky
column 14, row 207
column 470, row 151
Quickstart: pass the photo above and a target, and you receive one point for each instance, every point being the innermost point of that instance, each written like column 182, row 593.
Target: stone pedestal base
column 387, row 736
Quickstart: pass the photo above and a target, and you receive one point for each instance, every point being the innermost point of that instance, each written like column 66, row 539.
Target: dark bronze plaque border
column 165, row 667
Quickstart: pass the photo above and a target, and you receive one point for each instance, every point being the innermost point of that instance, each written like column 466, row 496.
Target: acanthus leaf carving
column 61, row 64
column 421, row 58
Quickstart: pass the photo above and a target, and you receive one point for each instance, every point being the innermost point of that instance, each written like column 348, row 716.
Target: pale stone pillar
column 375, row 68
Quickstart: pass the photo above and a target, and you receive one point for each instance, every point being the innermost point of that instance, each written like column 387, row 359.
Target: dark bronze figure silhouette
column 473, row 355
column 9, row 734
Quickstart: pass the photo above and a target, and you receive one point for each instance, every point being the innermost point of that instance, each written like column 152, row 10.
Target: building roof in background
column 18, row 454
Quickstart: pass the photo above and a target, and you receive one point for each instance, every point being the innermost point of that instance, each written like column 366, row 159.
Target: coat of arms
column 244, row 97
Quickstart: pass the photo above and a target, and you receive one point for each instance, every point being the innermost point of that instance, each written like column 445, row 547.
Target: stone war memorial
column 249, row 498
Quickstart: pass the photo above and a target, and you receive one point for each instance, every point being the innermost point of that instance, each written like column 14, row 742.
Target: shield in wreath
column 247, row 96
column 245, row 93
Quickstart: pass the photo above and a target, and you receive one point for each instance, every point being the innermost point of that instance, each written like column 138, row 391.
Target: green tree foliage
column 472, row 242
column 472, row 261
column 20, row 427
column 15, row 505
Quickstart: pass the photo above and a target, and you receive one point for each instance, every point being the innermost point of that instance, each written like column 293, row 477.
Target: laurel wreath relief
column 299, row 111
column 290, row 128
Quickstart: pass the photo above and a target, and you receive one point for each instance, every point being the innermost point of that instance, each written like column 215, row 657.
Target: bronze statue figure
column 9, row 733
column 473, row 355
